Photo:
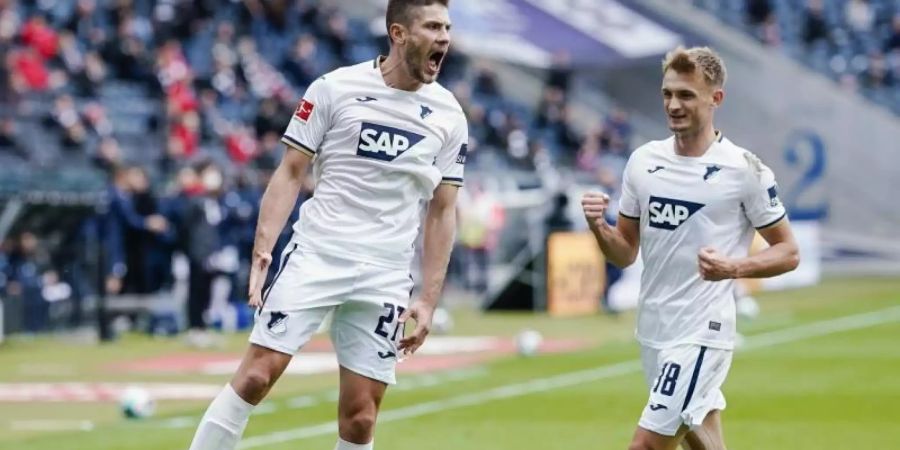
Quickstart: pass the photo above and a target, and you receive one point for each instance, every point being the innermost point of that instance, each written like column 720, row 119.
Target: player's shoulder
column 437, row 91
column 732, row 154
column 442, row 98
column 743, row 159
column 344, row 73
column 652, row 149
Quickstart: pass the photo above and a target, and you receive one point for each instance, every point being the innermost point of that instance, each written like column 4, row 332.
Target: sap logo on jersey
column 463, row 151
column 669, row 214
column 385, row 143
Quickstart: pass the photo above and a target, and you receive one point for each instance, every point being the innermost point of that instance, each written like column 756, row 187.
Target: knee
column 253, row 384
column 641, row 444
column 357, row 423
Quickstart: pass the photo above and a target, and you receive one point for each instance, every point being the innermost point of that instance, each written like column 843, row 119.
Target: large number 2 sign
column 393, row 312
column 805, row 151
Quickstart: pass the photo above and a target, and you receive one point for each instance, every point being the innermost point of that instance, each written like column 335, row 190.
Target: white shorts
column 366, row 299
column 685, row 385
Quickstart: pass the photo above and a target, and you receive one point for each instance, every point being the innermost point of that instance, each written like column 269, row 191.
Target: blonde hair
column 687, row 60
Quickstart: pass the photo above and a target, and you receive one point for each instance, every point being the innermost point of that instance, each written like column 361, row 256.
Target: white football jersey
column 685, row 204
column 379, row 154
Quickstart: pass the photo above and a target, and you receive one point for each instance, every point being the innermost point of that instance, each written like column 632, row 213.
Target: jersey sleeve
column 629, row 206
column 311, row 119
column 760, row 201
column 452, row 158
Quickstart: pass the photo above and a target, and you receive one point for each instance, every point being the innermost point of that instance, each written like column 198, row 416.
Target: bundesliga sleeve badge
column 304, row 110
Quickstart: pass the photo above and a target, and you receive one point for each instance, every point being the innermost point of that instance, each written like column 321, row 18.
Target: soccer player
column 385, row 140
column 691, row 204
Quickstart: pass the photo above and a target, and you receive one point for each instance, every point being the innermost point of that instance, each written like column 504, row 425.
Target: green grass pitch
column 820, row 370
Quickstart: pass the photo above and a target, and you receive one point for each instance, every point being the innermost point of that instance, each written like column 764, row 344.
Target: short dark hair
column 398, row 11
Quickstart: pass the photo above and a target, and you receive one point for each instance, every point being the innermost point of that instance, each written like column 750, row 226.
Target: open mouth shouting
column 435, row 59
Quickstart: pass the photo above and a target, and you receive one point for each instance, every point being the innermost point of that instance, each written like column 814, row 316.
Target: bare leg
column 708, row 436
column 648, row 440
column 227, row 416
column 358, row 407
column 258, row 372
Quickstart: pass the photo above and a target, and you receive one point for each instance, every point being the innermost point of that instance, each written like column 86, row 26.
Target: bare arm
column 277, row 203
column 620, row 244
column 782, row 256
column 440, row 228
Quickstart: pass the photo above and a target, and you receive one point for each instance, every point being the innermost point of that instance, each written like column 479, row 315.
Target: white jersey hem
column 403, row 263
column 720, row 345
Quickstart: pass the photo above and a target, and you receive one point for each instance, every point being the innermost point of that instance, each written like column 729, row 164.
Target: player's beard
column 415, row 58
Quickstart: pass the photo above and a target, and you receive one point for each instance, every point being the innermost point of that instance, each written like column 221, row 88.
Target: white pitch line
column 179, row 422
column 51, row 425
column 265, row 408
column 514, row 390
column 822, row 328
column 308, row 401
column 815, row 329
column 304, row 401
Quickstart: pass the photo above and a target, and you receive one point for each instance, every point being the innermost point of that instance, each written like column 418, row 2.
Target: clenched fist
column 715, row 266
column 594, row 205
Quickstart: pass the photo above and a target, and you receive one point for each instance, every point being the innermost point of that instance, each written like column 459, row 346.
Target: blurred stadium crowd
column 180, row 105
column 855, row 42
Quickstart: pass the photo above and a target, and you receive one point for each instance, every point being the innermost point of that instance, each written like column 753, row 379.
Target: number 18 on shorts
column 685, row 385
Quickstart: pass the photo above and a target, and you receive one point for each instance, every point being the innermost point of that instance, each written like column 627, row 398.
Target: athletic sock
column 344, row 445
column 224, row 422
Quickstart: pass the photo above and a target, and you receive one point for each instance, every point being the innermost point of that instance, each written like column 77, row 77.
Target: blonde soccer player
column 691, row 204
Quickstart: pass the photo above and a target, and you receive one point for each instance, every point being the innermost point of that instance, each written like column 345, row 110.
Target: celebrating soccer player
column 692, row 204
column 383, row 138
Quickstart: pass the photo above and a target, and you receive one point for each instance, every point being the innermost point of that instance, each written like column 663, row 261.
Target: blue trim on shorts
column 284, row 262
column 694, row 377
